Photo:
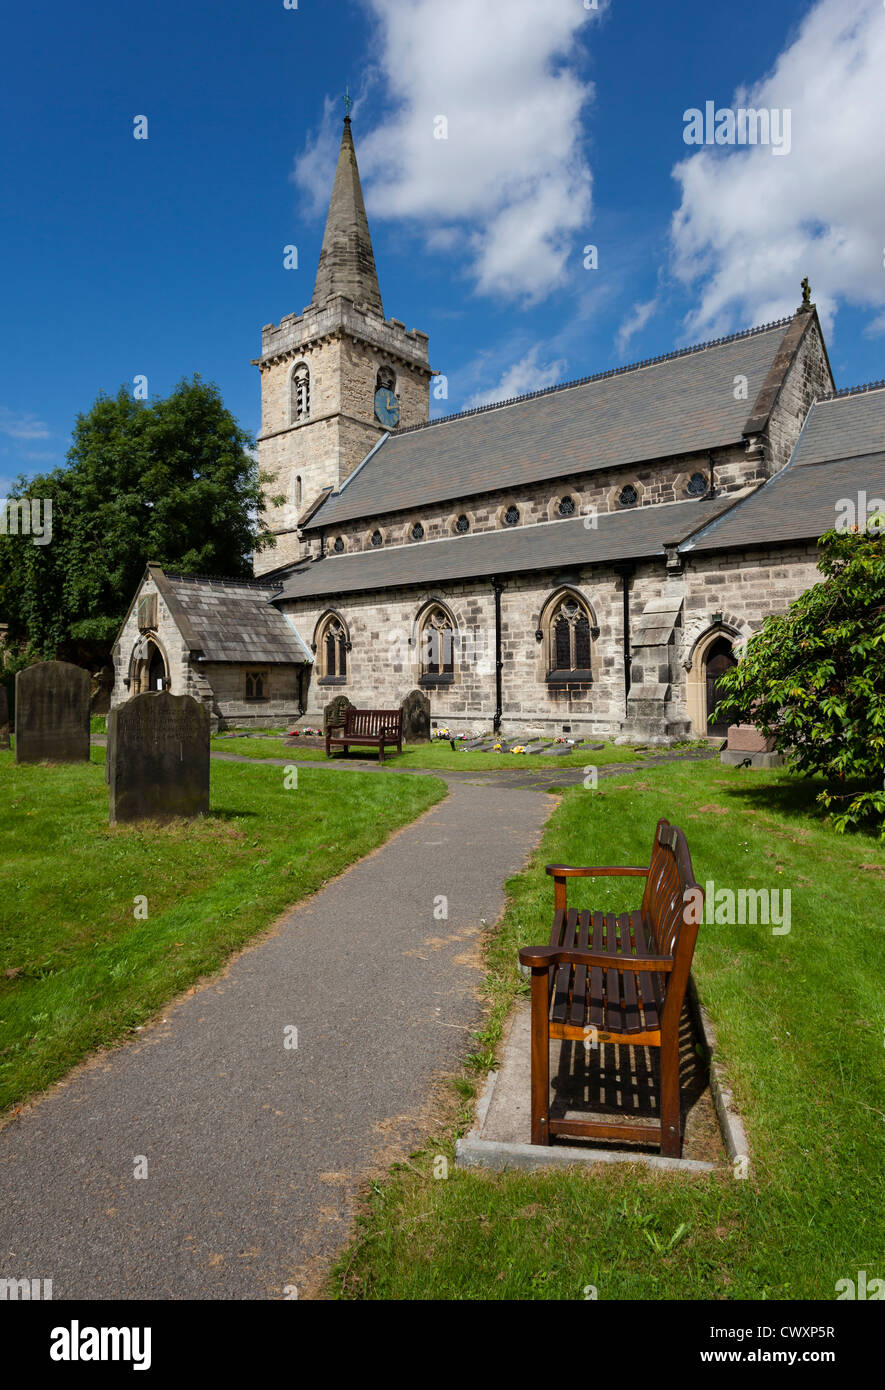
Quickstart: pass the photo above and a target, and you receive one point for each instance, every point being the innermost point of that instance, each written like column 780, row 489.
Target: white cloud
column 634, row 323
column 526, row 375
column 510, row 187
column 751, row 224
column 21, row 425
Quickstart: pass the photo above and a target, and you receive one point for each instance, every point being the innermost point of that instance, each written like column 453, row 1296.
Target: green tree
column 814, row 679
column 172, row 479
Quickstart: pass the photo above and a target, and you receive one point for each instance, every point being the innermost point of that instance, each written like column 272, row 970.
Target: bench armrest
column 543, row 957
column 604, row 870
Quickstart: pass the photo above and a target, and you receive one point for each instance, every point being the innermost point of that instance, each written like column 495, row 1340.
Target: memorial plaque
column 4, row 718
column 416, row 717
column 158, row 758
column 52, row 713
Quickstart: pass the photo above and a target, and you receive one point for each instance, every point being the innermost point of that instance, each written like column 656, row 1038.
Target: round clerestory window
column 417, row 532
column 511, row 516
column 697, row 485
column 462, row 525
column 377, row 538
column 567, row 506
column 628, row 496
column 338, row 545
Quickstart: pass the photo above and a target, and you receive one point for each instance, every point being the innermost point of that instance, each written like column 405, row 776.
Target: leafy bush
column 814, row 679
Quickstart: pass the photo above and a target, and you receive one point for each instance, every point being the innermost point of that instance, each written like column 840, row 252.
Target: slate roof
column 622, row 535
column 839, row 454
column 677, row 405
column 231, row 621
column 843, row 427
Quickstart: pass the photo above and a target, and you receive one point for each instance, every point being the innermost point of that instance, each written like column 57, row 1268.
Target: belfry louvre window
column 437, row 648
column 300, row 393
column 569, row 637
column 256, row 685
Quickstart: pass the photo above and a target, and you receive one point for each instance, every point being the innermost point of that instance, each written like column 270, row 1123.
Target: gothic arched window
column 566, row 506
column 511, row 516
column 377, row 538
column 296, row 491
column 386, row 379
column 338, row 545
column 437, row 646
column 300, row 393
column 331, row 648
column 568, row 632
column 628, row 496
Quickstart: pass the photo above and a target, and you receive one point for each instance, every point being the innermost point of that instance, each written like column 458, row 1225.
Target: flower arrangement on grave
column 305, row 733
column 563, row 740
column 497, row 748
column 518, row 748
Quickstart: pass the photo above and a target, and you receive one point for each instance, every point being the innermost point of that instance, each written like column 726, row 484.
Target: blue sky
column 565, row 128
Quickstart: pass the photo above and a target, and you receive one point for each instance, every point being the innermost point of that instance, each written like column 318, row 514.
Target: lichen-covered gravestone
column 334, row 711
column 158, row 758
column 416, row 717
column 4, row 718
column 52, row 713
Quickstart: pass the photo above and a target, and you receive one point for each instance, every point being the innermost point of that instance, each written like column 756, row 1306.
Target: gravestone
column 158, row 758
column 334, row 711
column 4, row 718
column 52, row 713
column 416, row 717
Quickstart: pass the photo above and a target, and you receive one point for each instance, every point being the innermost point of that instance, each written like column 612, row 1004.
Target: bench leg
column 540, row 1057
column 671, row 1139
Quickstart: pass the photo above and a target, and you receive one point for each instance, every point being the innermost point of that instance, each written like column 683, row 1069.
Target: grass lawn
column 78, row 971
column 437, row 755
column 799, row 1020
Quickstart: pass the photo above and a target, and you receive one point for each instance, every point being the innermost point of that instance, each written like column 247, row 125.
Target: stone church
column 583, row 560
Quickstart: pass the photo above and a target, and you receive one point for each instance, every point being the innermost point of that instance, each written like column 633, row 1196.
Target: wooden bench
column 373, row 728
column 616, row 978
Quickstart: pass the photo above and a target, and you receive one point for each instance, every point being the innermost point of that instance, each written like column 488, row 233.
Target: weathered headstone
column 158, row 758
column 4, row 718
column 416, row 717
column 334, row 711
column 52, row 713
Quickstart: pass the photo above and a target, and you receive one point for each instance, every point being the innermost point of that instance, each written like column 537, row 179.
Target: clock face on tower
column 386, row 408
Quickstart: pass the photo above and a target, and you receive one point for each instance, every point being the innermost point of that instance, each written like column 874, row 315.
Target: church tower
column 336, row 377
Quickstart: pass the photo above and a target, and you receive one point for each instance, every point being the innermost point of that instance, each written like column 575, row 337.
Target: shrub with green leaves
column 814, row 679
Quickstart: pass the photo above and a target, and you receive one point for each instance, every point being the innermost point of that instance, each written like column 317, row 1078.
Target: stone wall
column 383, row 666
column 343, row 348
column 655, row 483
column 808, row 378
column 183, row 681
column 228, row 683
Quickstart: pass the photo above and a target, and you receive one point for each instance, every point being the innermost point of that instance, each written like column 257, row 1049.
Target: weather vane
column 348, row 103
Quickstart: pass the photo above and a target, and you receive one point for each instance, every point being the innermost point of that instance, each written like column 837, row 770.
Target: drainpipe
column 301, row 671
column 711, row 486
column 626, row 571
column 497, row 586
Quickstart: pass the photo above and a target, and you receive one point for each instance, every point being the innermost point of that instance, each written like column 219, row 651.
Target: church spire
column 347, row 263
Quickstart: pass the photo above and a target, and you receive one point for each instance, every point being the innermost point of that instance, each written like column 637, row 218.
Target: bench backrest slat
column 664, row 904
column 371, row 723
